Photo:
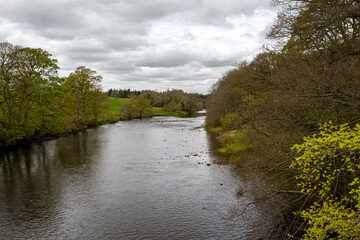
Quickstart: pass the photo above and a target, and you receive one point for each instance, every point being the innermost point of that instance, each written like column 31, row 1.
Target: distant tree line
column 170, row 100
column 35, row 102
column 308, row 84
column 176, row 100
column 122, row 93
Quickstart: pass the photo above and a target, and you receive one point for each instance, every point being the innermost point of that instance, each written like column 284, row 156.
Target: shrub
column 329, row 165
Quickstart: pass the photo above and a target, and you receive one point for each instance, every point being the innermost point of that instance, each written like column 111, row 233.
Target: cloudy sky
column 147, row 44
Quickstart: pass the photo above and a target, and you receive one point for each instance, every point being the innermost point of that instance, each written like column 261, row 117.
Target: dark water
column 141, row 179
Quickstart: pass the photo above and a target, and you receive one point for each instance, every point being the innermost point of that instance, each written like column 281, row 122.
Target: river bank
column 110, row 116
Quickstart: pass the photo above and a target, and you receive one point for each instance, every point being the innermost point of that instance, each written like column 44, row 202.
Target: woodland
column 35, row 102
column 293, row 113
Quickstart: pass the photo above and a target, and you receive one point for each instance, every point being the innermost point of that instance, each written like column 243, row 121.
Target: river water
column 141, row 179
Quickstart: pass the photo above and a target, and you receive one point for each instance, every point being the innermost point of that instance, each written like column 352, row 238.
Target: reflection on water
column 141, row 179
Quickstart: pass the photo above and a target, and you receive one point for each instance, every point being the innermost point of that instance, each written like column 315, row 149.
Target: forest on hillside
column 294, row 113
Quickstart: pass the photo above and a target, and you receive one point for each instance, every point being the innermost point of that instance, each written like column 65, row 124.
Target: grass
column 159, row 112
column 216, row 130
column 115, row 105
column 232, row 144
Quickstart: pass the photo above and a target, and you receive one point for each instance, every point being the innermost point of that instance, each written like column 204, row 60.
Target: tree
column 172, row 106
column 282, row 96
column 192, row 103
column 83, row 92
column 320, row 25
column 29, row 87
column 139, row 107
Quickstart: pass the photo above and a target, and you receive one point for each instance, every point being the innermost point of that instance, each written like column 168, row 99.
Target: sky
column 147, row 44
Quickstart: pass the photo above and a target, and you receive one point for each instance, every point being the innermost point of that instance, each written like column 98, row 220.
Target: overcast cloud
column 155, row 44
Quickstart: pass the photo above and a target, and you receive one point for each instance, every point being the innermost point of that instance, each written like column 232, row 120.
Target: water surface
column 140, row 179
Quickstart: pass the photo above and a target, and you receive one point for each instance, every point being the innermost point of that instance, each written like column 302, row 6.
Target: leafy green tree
column 172, row 106
column 139, row 107
column 28, row 88
column 84, row 95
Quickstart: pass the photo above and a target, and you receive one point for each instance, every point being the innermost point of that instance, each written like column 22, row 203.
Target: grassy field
column 115, row 106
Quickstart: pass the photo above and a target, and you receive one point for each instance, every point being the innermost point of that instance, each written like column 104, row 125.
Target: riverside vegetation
column 35, row 102
column 294, row 113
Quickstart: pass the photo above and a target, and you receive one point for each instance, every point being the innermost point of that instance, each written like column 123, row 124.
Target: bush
column 329, row 165
column 139, row 107
column 232, row 145
column 231, row 121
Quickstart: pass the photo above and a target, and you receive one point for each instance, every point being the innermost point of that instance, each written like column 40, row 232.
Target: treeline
column 307, row 85
column 35, row 102
column 122, row 93
column 141, row 102
column 176, row 100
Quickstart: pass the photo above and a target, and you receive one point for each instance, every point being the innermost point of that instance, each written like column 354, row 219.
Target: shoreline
column 35, row 139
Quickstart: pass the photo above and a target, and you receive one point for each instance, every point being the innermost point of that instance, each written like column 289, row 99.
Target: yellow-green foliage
column 139, row 107
column 231, row 121
column 158, row 111
column 329, row 165
column 216, row 129
column 232, row 144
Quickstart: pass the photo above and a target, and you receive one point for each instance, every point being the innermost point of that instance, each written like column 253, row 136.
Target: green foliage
column 35, row 102
column 175, row 101
column 231, row 121
column 115, row 106
column 216, row 129
column 172, row 106
column 84, row 96
column 332, row 220
column 327, row 156
column 171, row 102
column 139, row 107
column 122, row 93
column 232, row 144
column 329, row 166
column 29, row 93
column 159, row 111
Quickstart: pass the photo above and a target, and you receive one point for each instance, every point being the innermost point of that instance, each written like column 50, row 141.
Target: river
column 142, row 179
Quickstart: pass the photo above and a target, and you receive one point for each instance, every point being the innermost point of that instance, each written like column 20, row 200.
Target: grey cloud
column 129, row 14
column 89, row 58
column 123, row 42
column 214, row 12
column 154, row 44
column 41, row 14
column 218, row 63
column 166, row 59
